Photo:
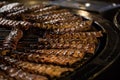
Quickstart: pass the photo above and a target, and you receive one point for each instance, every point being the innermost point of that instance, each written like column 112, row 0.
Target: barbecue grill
column 91, row 66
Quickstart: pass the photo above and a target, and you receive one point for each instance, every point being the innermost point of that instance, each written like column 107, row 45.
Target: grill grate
column 43, row 59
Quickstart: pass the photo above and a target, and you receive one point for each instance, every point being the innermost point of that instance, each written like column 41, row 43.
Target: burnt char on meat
column 13, row 23
column 4, row 76
column 46, row 9
column 54, row 16
column 63, row 52
column 8, row 7
column 15, row 9
column 44, row 69
column 12, row 39
column 78, row 35
column 88, row 47
column 79, row 41
column 43, row 42
column 45, row 58
column 18, row 14
column 18, row 74
column 66, row 27
column 85, row 41
column 10, row 42
column 42, row 18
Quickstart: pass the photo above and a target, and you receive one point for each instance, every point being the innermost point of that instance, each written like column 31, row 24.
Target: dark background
column 116, row 1
column 112, row 73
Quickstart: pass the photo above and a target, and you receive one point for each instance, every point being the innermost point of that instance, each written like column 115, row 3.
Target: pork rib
column 65, row 27
column 87, row 45
column 44, row 58
column 8, row 7
column 62, row 52
column 10, row 43
column 46, row 9
column 18, row 74
column 24, row 25
column 44, row 69
column 47, row 16
column 77, row 35
column 18, row 14
column 4, row 76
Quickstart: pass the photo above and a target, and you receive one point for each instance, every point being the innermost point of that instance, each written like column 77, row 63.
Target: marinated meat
column 45, row 58
column 44, row 42
column 18, row 74
column 8, row 7
column 18, row 14
column 44, row 69
column 44, row 17
column 11, row 40
column 4, row 76
column 87, row 45
column 63, row 52
column 65, row 27
column 46, row 9
column 13, row 23
column 14, row 10
column 78, row 35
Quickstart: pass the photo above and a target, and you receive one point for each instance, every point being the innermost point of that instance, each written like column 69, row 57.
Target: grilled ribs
column 19, row 74
column 12, row 39
column 45, row 58
column 44, row 69
column 43, row 42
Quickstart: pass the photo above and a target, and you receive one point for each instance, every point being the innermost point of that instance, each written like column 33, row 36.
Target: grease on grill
column 45, row 42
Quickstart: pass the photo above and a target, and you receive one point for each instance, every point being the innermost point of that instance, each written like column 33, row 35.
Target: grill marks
column 63, row 52
column 46, row 58
column 18, row 13
column 69, row 43
column 19, row 74
column 85, row 41
column 66, row 40
column 46, row 9
column 61, row 28
column 6, row 8
column 13, row 38
column 45, row 17
column 43, row 69
column 15, row 9
column 78, row 35
column 13, row 23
